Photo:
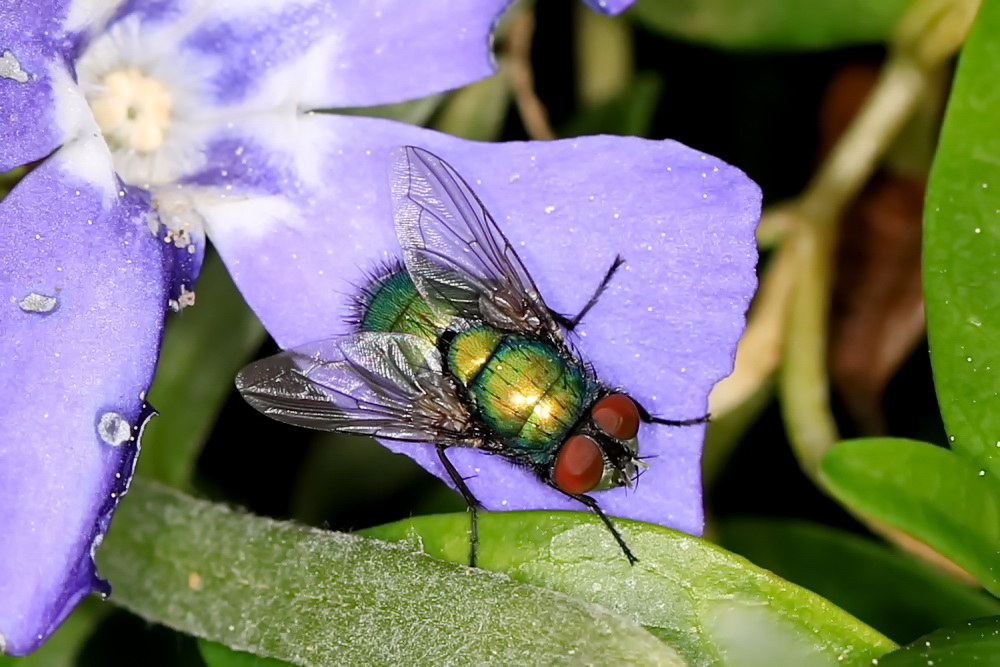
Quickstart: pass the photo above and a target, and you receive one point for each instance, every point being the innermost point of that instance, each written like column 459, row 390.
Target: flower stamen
column 133, row 110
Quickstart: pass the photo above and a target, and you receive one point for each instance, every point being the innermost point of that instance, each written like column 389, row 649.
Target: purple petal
column 40, row 106
column 666, row 329
column 84, row 286
column 323, row 53
column 610, row 7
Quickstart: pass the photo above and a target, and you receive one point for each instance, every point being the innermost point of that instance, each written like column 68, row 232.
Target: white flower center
column 144, row 96
column 132, row 110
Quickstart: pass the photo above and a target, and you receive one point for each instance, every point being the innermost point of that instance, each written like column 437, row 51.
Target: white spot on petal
column 10, row 68
column 113, row 429
column 37, row 303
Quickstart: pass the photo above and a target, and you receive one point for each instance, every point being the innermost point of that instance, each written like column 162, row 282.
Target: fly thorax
column 471, row 350
column 524, row 390
column 505, row 310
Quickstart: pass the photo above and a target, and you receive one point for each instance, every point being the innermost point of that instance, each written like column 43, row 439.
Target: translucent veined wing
column 384, row 385
column 456, row 255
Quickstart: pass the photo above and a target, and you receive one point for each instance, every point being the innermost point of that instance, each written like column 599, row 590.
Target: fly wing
column 383, row 385
column 456, row 255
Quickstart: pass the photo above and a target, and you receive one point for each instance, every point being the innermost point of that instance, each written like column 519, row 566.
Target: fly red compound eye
column 579, row 466
column 617, row 416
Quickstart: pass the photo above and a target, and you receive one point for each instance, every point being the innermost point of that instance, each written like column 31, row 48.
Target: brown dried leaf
column 877, row 315
column 845, row 94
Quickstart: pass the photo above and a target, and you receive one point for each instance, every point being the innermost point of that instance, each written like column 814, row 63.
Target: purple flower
column 610, row 7
column 666, row 328
column 157, row 121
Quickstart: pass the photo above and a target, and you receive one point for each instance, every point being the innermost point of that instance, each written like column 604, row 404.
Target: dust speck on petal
column 10, row 68
column 113, row 429
column 37, row 303
column 185, row 299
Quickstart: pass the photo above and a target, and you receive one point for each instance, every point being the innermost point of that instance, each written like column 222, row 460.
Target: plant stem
column 929, row 34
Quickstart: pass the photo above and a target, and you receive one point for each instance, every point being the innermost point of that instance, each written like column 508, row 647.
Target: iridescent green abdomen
column 393, row 304
column 524, row 389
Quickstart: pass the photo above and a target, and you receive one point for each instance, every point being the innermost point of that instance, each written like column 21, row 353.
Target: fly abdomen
column 391, row 303
column 523, row 389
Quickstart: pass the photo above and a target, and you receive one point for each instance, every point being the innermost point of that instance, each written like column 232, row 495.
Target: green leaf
column 204, row 346
column 62, row 648
column 928, row 492
column 971, row 643
column 712, row 606
column 900, row 596
column 772, row 24
column 961, row 251
column 217, row 655
column 309, row 596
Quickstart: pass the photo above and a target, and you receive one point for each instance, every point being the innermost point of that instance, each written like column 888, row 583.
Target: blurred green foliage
column 975, row 642
column 774, row 25
column 950, row 499
column 925, row 491
column 912, row 597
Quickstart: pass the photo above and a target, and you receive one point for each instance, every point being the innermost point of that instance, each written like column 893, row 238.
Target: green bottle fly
column 455, row 346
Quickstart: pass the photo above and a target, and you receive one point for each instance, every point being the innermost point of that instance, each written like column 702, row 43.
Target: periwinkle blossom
column 145, row 114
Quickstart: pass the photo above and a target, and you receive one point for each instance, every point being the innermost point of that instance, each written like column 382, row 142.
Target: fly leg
column 596, row 509
column 470, row 500
column 570, row 323
column 646, row 417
